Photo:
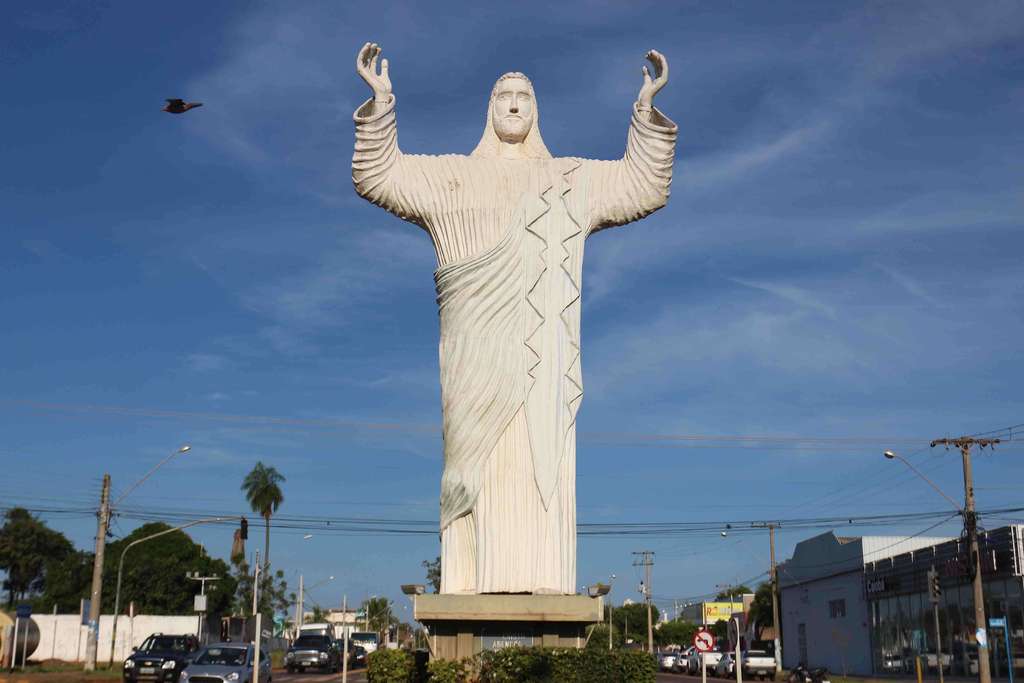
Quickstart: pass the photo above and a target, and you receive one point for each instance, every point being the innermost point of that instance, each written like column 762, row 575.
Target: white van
column 318, row 629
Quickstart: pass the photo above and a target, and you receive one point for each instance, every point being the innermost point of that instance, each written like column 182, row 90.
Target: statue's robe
column 509, row 238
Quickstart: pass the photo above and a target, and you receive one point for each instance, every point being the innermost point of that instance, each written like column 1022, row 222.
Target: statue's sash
column 509, row 339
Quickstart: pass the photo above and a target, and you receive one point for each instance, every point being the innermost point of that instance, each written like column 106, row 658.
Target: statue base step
column 464, row 625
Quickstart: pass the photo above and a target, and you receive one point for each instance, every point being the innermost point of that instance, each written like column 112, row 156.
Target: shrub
column 447, row 671
column 565, row 665
column 390, row 666
column 636, row 665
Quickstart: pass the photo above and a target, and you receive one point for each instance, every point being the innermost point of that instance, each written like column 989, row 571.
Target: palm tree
column 265, row 497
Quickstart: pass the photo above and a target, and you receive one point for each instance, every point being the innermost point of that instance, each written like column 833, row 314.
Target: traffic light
column 244, row 529
column 934, row 587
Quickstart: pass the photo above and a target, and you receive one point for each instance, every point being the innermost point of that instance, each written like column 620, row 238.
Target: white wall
column 63, row 637
column 841, row 644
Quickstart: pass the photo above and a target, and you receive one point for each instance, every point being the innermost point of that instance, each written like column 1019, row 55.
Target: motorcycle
column 801, row 674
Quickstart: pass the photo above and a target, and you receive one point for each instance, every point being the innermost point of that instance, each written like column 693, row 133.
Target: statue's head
column 512, row 108
column 512, row 118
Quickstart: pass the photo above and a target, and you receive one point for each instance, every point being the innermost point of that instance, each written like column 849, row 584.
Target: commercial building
column 861, row 605
column 824, row 612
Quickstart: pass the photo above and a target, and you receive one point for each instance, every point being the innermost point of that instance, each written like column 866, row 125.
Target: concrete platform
column 465, row 625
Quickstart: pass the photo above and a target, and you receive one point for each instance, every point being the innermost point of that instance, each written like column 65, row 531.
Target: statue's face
column 513, row 111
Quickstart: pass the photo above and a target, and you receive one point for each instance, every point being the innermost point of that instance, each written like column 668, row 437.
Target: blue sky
column 841, row 257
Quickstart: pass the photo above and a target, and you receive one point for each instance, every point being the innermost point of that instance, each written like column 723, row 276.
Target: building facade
column 824, row 610
column 902, row 614
column 861, row 605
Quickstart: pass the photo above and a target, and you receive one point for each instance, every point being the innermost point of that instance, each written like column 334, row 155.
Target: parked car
column 693, row 663
column 682, row 661
column 757, row 664
column 160, row 658
column 726, row 667
column 313, row 652
column 227, row 662
column 667, row 660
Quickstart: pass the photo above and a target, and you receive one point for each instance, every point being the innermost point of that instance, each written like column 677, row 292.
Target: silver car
column 226, row 663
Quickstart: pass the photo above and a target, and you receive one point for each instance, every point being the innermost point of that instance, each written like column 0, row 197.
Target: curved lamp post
column 120, row 567
column 184, row 449
column 896, row 456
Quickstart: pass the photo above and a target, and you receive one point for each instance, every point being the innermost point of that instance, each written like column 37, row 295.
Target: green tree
column 319, row 614
column 720, row 629
column 274, row 597
column 433, row 573
column 629, row 621
column 733, row 593
column 263, row 491
column 378, row 614
column 676, row 632
column 154, row 575
column 26, row 546
column 761, row 607
column 68, row 580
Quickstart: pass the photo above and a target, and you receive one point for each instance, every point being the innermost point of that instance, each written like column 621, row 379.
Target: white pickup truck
column 758, row 663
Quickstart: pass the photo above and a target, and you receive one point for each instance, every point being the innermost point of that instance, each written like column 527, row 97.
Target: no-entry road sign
column 704, row 641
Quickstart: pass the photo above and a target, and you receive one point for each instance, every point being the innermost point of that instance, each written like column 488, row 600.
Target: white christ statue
column 508, row 223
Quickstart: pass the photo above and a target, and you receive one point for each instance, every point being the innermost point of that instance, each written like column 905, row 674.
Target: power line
column 397, row 526
column 765, row 441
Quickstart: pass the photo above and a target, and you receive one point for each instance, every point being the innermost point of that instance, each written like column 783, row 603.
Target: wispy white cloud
column 911, row 285
column 791, row 293
column 353, row 274
column 719, row 171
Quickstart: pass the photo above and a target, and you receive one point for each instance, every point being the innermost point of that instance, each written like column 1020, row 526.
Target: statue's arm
column 638, row 184
column 380, row 172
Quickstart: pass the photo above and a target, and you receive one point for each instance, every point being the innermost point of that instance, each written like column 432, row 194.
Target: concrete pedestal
column 464, row 625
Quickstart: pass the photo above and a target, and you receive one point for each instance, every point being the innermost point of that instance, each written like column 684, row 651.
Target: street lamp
column 611, row 582
column 890, row 455
column 184, row 449
column 970, row 517
column 120, row 568
column 300, row 605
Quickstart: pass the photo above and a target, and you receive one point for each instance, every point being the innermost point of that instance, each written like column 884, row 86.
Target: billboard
column 720, row 611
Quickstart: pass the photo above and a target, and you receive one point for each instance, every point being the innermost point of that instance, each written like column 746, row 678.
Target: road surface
column 357, row 676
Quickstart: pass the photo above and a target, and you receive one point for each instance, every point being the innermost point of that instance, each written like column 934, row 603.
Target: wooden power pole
column 965, row 443
column 645, row 559
column 774, row 578
column 96, row 598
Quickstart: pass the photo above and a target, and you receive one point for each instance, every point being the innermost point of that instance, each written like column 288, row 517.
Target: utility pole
column 774, row 577
column 645, row 559
column 344, row 631
column 935, row 595
column 259, row 620
column 255, row 585
column 611, row 582
column 91, row 644
column 965, row 443
column 300, row 612
column 202, row 591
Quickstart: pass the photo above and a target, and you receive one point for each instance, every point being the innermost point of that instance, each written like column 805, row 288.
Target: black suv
column 313, row 652
column 160, row 658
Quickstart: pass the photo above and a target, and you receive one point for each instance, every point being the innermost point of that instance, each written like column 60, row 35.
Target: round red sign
column 704, row 641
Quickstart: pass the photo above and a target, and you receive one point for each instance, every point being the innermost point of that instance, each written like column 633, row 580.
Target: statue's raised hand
column 366, row 67
column 651, row 86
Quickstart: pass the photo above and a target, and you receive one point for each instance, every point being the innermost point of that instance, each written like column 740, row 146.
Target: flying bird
column 179, row 106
